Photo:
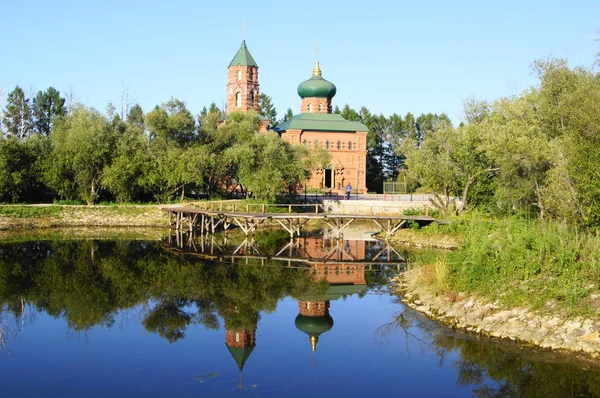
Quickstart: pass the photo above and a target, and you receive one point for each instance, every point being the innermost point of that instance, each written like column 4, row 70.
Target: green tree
column 268, row 166
column 17, row 115
column 171, row 122
column 20, row 168
column 82, row 144
column 267, row 109
column 47, row 105
column 136, row 117
column 449, row 162
column 287, row 116
column 123, row 177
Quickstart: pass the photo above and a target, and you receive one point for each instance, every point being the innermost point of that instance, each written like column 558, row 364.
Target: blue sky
column 390, row 56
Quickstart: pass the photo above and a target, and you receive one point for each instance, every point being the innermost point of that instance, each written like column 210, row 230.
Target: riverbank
column 510, row 278
column 477, row 315
column 51, row 216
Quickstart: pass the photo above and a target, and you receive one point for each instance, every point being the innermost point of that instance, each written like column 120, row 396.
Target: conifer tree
column 17, row 115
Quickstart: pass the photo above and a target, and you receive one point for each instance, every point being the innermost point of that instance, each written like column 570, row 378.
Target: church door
column 329, row 178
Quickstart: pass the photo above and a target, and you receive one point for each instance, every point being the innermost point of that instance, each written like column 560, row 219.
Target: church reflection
column 338, row 266
column 339, row 270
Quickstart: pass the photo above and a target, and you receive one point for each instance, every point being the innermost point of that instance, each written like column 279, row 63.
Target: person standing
column 348, row 191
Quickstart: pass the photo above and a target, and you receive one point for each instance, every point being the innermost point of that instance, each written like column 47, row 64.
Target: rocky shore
column 487, row 319
column 52, row 216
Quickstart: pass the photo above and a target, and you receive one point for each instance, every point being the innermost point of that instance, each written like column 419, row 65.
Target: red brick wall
column 324, row 103
column 248, row 87
column 313, row 308
column 350, row 165
column 240, row 338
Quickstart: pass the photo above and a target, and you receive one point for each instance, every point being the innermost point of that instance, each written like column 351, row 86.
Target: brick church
column 315, row 126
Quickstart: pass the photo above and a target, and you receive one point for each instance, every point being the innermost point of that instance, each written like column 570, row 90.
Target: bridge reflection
column 341, row 263
column 299, row 251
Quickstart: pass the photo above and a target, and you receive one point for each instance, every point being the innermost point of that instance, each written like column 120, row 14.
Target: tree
column 449, row 162
column 82, row 144
column 17, row 115
column 123, row 177
column 172, row 122
column 288, row 115
column 269, row 166
column 267, row 109
column 47, row 105
column 20, row 169
column 136, row 117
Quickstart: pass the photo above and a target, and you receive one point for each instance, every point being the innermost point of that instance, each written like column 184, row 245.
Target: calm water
column 218, row 318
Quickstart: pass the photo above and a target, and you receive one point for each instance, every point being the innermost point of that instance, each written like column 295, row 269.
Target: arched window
column 305, row 142
column 310, row 107
column 328, row 144
column 239, row 75
column 320, row 107
column 350, row 145
column 238, row 99
column 317, row 144
column 251, row 99
column 339, row 145
column 250, row 75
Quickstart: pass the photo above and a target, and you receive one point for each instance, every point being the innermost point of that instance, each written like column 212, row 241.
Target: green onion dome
column 316, row 86
column 314, row 325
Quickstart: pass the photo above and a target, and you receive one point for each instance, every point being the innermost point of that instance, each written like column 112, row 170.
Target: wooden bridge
column 212, row 216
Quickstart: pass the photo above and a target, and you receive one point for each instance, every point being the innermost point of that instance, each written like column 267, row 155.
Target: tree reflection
column 496, row 368
column 88, row 282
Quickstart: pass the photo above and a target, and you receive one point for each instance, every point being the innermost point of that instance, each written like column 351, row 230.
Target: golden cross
column 317, row 51
column 244, row 30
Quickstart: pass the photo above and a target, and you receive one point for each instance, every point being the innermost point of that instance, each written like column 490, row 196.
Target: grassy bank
column 518, row 263
column 47, row 216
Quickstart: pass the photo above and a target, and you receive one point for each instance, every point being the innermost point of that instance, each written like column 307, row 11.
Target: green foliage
column 89, row 282
column 288, row 115
column 29, row 211
column 268, row 165
column 123, row 176
column 82, row 145
column 533, row 151
column 449, row 161
column 172, row 123
column 20, row 168
column 526, row 263
column 17, row 115
column 267, row 109
column 47, row 106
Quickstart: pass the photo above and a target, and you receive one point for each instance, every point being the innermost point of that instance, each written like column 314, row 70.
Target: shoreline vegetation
column 528, row 281
column 52, row 216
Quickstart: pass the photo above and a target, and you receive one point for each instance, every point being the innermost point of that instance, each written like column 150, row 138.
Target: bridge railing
column 260, row 208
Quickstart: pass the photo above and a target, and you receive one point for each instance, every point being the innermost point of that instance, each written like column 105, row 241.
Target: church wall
column 348, row 163
column 242, row 79
column 315, row 105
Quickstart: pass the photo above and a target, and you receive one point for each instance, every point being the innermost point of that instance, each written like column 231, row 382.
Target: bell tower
column 242, row 82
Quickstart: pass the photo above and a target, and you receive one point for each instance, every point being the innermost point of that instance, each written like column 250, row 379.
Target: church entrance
column 329, row 183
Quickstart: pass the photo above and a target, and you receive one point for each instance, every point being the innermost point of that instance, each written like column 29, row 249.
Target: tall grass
column 521, row 262
column 517, row 262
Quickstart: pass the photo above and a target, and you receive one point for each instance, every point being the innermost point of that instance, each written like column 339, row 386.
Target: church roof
column 314, row 325
column 320, row 122
column 316, row 86
column 240, row 355
column 243, row 57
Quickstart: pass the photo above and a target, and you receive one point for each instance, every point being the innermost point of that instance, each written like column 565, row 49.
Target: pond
column 265, row 317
